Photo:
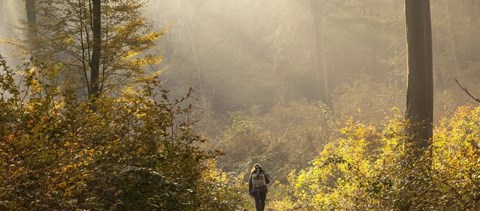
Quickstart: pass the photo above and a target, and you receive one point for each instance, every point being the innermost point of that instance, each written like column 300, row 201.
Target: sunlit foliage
column 369, row 169
column 65, row 40
column 136, row 151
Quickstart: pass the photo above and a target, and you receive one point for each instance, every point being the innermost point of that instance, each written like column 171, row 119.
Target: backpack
column 258, row 181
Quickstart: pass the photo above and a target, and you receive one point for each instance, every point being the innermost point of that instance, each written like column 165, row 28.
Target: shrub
column 133, row 151
column 368, row 169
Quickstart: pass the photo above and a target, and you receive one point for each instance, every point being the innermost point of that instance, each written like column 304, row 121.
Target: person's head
column 257, row 168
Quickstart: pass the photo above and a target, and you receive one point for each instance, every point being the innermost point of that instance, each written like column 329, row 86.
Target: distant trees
column 254, row 54
column 420, row 72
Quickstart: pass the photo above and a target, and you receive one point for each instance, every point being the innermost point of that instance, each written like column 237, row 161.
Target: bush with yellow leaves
column 370, row 168
column 133, row 151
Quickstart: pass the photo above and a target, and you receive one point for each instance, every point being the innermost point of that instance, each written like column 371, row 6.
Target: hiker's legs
column 263, row 197
column 260, row 200
column 257, row 201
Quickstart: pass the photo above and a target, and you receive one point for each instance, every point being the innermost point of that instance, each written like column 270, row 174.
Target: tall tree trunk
column 420, row 72
column 320, row 76
column 31, row 22
column 97, row 47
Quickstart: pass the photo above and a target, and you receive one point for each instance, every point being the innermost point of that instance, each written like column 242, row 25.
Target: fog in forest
column 243, row 54
column 239, row 54
column 277, row 81
column 269, row 64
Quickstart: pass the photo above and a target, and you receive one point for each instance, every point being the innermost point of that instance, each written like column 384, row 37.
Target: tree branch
column 466, row 91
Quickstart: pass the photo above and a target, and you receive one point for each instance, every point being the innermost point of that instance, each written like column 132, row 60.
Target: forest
column 169, row 105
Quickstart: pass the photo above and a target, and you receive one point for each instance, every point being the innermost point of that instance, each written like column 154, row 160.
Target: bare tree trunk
column 167, row 36
column 373, row 47
column 197, row 65
column 97, row 47
column 31, row 21
column 420, row 72
column 320, row 61
column 373, row 43
column 2, row 23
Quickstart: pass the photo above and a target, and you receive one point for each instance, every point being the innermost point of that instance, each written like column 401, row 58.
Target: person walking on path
column 257, row 186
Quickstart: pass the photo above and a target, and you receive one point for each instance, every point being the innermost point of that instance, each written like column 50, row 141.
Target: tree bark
column 96, row 49
column 420, row 73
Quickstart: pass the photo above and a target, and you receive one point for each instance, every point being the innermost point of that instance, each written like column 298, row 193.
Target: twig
column 466, row 91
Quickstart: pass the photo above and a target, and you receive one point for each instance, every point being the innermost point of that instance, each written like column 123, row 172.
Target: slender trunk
column 452, row 41
column 325, row 92
column 471, row 31
column 197, row 66
column 374, row 56
column 31, row 22
column 167, row 37
column 224, row 29
column 420, row 72
column 320, row 75
column 96, row 48
column 440, row 81
column 2, row 14
column 373, row 44
column 2, row 23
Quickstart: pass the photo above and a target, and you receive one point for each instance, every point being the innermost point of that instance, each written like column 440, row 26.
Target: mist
column 239, row 54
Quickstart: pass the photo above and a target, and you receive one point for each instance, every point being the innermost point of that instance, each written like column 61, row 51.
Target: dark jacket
column 264, row 188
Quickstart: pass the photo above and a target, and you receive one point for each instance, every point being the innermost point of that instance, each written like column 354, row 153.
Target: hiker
column 257, row 186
